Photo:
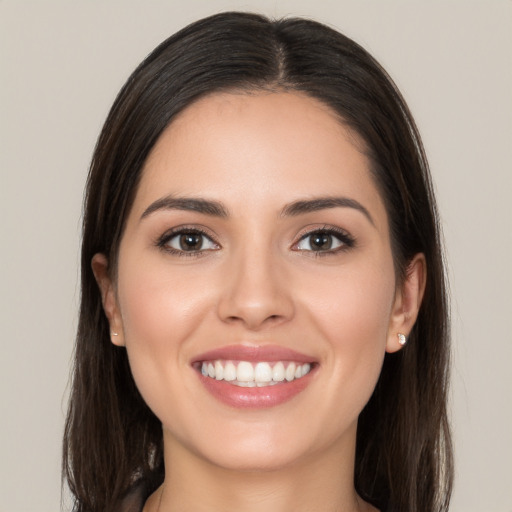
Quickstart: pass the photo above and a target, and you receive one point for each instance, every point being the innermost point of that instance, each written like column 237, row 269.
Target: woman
column 263, row 321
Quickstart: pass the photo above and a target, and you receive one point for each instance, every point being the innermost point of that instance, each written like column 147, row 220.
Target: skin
column 258, row 282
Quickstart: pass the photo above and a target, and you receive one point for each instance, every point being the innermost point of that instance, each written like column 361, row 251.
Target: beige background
column 61, row 65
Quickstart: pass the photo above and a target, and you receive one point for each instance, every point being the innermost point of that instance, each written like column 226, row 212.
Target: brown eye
column 320, row 241
column 324, row 241
column 190, row 241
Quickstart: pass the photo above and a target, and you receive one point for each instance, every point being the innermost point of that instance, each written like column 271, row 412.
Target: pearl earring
column 402, row 339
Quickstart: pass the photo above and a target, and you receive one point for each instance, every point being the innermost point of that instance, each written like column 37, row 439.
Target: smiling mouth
column 255, row 377
column 254, row 374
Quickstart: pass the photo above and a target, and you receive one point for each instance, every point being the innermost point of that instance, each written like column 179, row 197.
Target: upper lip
column 267, row 353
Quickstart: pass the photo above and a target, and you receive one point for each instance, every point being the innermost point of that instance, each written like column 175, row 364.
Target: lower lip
column 255, row 398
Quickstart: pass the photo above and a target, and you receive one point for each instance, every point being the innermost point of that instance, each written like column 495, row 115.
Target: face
column 255, row 290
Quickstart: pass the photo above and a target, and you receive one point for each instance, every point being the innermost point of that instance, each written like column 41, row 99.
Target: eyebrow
column 324, row 203
column 205, row 206
column 217, row 209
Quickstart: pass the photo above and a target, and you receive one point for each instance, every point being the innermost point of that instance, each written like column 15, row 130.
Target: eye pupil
column 321, row 241
column 191, row 241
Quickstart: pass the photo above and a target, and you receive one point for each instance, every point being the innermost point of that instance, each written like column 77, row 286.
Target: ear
column 99, row 266
column 407, row 303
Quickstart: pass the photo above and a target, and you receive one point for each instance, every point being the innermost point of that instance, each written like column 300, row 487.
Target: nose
column 255, row 291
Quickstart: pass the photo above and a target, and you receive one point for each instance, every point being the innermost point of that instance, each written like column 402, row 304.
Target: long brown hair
column 113, row 441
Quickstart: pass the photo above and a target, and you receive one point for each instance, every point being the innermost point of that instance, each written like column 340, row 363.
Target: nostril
column 254, row 306
column 255, row 321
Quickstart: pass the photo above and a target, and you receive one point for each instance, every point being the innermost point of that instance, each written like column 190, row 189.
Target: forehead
column 271, row 147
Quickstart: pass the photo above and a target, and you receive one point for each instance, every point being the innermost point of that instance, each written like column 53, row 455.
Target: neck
column 321, row 482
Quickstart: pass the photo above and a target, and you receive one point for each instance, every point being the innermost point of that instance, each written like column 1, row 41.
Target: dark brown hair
column 113, row 441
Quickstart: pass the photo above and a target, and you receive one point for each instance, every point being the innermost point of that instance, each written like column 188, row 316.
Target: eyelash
column 347, row 241
column 164, row 240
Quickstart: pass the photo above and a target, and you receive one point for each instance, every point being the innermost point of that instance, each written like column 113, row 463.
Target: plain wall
column 61, row 65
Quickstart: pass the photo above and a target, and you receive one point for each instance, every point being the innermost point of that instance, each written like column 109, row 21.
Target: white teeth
column 262, row 372
column 219, row 370
column 229, row 372
column 243, row 384
column 290, row 372
column 247, row 374
column 278, row 372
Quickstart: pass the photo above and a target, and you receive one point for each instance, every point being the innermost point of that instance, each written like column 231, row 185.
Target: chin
column 258, row 446
column 247, row 459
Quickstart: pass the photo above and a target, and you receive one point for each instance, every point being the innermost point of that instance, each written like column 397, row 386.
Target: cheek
column 158, row 305
column 351, row 311
column 353, row 304
column 160, row 312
